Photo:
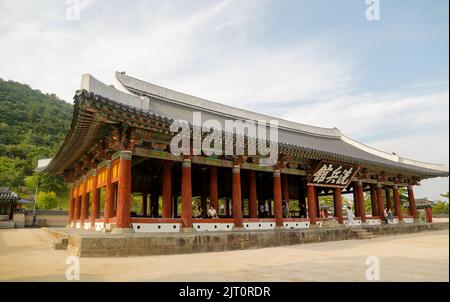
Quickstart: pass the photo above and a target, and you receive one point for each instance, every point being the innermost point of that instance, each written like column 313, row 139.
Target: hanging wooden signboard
column 333, row 175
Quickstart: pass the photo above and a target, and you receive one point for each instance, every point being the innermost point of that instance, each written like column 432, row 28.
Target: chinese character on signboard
column 332, row 175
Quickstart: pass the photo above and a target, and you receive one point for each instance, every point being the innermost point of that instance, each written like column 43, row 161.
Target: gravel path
column 26, row 255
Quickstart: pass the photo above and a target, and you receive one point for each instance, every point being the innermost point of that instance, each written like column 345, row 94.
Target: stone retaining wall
column 86, row 244
column 406, row 228
column 25, row 219
column 197, row 242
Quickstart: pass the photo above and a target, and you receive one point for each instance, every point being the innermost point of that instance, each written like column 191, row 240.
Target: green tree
column 326, row 201
column 367, row 202
column 329, row 201
column 11, row 171
column 47, row 200
column 440, row 207
column 32, row 126
column 47, row 183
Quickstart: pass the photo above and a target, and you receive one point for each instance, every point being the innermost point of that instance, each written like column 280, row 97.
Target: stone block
column 101, row 245
column 7, row 225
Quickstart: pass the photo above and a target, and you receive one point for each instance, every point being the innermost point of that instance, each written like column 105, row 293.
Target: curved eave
column 82, row 134
column 369, row 155
column 88, row 126
column 85, row 130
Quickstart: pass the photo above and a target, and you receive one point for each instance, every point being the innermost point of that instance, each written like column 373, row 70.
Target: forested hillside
column 32, row 126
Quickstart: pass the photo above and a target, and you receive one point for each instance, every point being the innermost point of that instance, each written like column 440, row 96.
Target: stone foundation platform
column 94, row 244
column 7, row 224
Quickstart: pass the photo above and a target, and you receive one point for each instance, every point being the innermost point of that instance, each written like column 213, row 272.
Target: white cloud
column 432, row 146
column 205, row 50
column 210, row 49
column 413, row 126
column 371, row 113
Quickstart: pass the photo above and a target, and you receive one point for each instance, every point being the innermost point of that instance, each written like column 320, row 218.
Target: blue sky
column 321, row 62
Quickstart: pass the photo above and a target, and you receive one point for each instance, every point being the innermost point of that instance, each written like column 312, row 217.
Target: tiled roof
column 177, row 105
column 42, row 212
column 7, row 196
column 143, row 100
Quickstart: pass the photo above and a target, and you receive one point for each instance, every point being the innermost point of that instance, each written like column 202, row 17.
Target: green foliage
column 367, row 202
column 440, row 207
column 403, row 194
column 445, row 195
column 32, row 127
column 47, row 200
column 11, row 171
column 329, row 201
column 47, row 183
column 136, row 203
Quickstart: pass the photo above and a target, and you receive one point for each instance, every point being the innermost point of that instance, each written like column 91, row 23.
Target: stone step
column 61, row 245
column 366, row 236
column 331, row 224
column 7, row 224
column 363, row 234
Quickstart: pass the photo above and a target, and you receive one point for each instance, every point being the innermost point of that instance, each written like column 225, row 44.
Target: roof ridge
column 132, row 83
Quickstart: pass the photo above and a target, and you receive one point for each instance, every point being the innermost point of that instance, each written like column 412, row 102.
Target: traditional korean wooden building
column 8, row 201
column 118, row 148
column 423, row 204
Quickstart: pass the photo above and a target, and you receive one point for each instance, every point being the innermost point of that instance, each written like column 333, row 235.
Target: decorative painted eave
column 97, row 103
column 135, row 86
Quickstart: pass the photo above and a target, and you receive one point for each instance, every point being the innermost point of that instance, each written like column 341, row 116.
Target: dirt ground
column 26, row 255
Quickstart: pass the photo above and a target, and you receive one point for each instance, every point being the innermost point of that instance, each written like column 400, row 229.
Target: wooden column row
column 79, row 200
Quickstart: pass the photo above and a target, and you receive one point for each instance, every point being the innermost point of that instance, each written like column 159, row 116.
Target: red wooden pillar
column 123, row 219
column 95, row 212
column 77, row 204
column 71, row 204
column 213, row 189
column 204, row 192
column 144, row 205
column 355, row 198
column 186, row 195
column 373, row 199
column 167, row 190
column 361, row 204
column 12, row 208
column 337, row 197
column 84, row 203
column 277, row 197
column 109, row 194
column 237, row 196
column 398, row 208
column 317, row 203
column 311, row 195
column 380, row 201
column 429, row 215
column 387, row 192
column 412, row 202
column 252, row 199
